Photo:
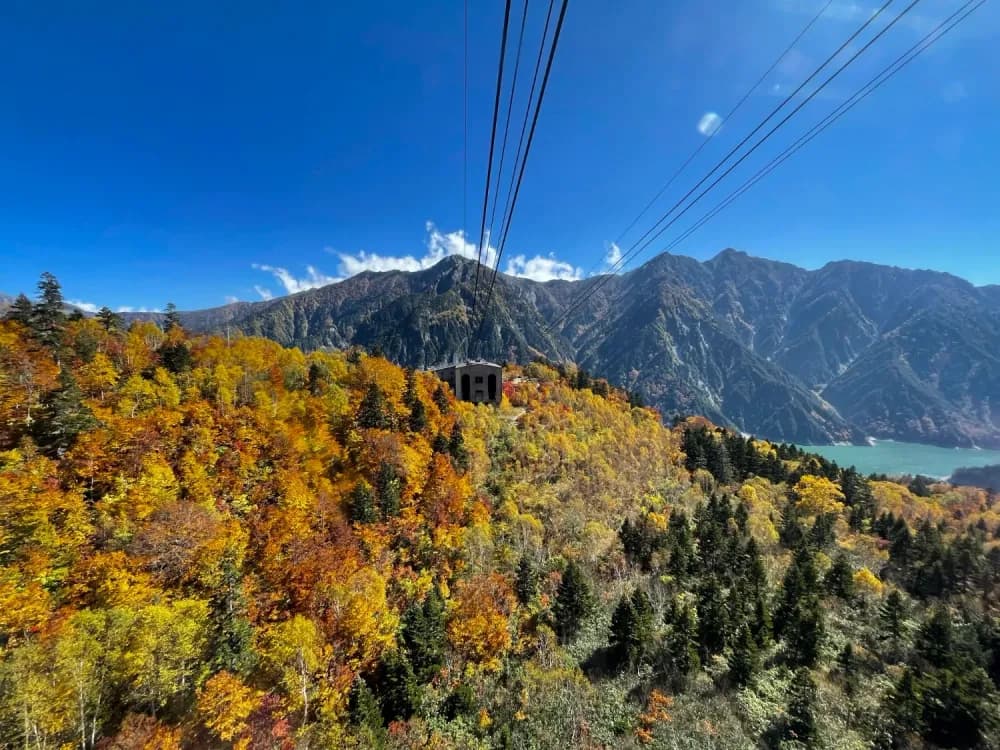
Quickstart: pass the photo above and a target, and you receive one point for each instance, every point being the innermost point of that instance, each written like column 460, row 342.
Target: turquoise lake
column 888, row 457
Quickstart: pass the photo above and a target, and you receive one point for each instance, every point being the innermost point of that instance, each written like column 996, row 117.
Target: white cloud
column 263, row 291
column 128, row 309
column 439, row 246
column 541, row 268
column 313, row 278
column 709, row 124
column 230, row 299
column 613, row 255
column 87, row 307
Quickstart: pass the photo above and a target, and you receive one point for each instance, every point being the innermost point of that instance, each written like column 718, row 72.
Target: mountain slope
column 848, row 350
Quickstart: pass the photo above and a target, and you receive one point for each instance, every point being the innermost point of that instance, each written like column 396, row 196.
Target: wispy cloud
column 613, row 255
column 709, row 124
column 438, row 246
column 542, row 268
column 128, row 309
column 230, row 299
column 87, row 307
column 313, row 279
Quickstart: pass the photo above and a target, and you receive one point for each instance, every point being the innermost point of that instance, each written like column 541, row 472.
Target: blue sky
column 199, row 152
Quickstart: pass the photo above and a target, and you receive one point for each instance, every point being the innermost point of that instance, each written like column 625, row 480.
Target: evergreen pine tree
column 389, row 489
column 892, row 617
column 440, row 443
column 572, row 603
column 805, row 633
column 362, row 503
column 373, row 412
column 744, row 660
column 395, row 687
column 418, row 416
column 713, row 620
column 365, row 714
column 526, row 582
column 622, row 632
column 801, row 726
column 839, row 579
column 109, row 320
column 418, row 412
column 760, row 624
column 441, row 399
column 232, row 631
column 424, row 635
column 935, row 641
column 47, row 316
column 172, row 319
column 20, row 311
column 63, row 416
column 904, row 708
column 632, row 629
column 682, row 644
column 457, row 449
column 176, row 357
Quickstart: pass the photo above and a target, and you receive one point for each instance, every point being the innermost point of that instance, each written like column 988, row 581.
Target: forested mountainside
column 231, row 544
column 848, row 351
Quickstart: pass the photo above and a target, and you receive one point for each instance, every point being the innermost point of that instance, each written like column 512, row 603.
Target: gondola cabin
column 474, row 380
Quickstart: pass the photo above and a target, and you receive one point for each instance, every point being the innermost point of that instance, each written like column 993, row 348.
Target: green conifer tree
column 172, row 318
column 457, row 449
column 20, row 310
column 572, row 604
column 839, row 580
column 109, row 320
column 744, row 660
column 526, row 581
column 365, row 715
column 362, row 503
column 801, row 726
column 424, row 635
column 395, row 686
column 47, row 316
column 389, row 488
column 682, row 645
column 373, row 412
column 63, row 416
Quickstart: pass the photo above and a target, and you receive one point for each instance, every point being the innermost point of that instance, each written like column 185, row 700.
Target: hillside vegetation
column 231, row 544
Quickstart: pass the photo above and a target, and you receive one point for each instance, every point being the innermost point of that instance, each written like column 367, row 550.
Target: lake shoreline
column 894, row 458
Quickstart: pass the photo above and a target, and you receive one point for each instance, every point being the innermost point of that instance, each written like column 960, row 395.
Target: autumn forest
column 225, row 543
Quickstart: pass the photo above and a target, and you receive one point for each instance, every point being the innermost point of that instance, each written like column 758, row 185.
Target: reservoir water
column 892, row 458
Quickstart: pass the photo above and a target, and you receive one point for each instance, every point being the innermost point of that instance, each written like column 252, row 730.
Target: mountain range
column 849, row 351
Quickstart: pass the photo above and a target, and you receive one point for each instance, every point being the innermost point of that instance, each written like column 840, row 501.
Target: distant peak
column 730, row 253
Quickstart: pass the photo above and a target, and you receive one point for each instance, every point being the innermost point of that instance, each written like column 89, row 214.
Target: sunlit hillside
column 227, row 543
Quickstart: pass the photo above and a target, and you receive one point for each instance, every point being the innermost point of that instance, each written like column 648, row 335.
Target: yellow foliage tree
column 818, row 495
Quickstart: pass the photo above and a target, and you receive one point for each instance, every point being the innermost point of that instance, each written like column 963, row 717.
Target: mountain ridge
column 846, row 351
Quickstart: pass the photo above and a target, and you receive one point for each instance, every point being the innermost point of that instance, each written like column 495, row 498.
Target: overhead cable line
column 524, row 161
column 506, row 127
column 654, row 232
column 465, row 130
column 527, row 111
column 489, row 166
column 863, row 93
column 601, row 280
column 726, row 118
